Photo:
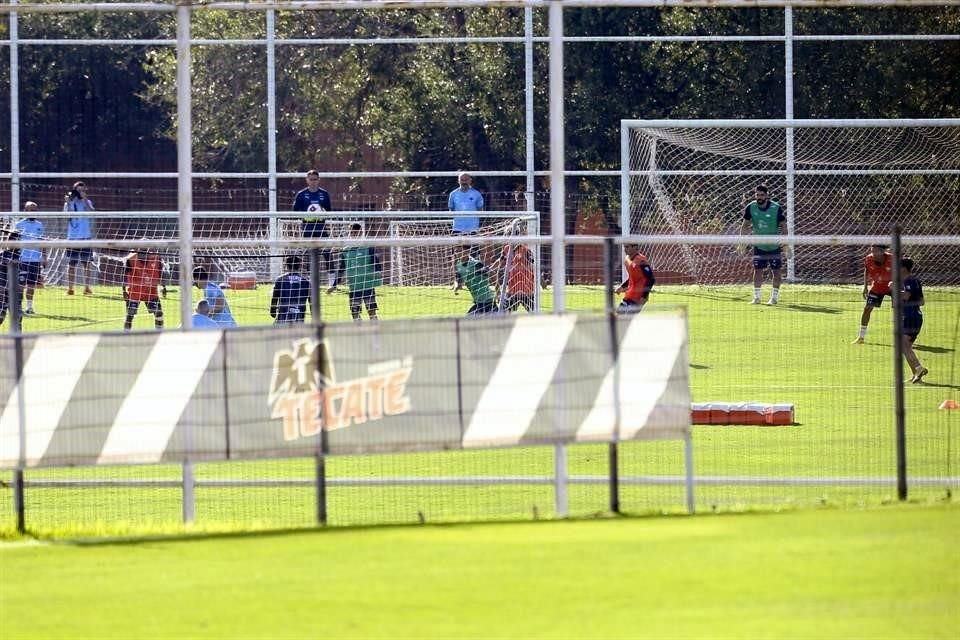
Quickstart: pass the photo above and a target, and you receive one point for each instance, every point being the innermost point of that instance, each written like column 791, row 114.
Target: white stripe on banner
column 523, row 374
column 154, row 404
column 50, row 375
column 648, row 351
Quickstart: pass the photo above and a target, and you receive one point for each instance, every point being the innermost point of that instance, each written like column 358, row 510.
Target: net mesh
column 847, row 181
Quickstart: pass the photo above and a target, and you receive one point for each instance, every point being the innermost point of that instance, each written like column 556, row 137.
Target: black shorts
column 629, row 306
column 912, row 326
column 366, row 297
column 875, row 299
column 315, row 229
column 763, row 258
column 29, row 273
column 291, row 315
column 76, row 256
column 480, row 308
column 153, row 306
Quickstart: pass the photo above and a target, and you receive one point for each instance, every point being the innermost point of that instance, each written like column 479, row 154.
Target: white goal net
column 833, row 178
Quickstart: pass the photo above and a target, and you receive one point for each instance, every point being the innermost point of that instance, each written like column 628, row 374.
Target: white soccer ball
column 314, row 208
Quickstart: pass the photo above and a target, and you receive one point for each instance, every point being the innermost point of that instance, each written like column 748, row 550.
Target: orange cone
column 949, row 404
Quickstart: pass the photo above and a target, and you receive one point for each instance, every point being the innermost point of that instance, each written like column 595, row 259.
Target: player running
column 142, row 273
column 877, row 268
column 639, row 283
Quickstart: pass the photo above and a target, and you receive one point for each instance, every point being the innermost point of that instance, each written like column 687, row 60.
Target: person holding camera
column 79, row 227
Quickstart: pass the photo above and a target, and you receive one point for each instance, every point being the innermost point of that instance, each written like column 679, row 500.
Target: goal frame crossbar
column 627, row 126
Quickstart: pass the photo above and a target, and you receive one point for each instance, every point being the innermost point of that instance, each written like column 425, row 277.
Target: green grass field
column 890, row 572
column 841, row 452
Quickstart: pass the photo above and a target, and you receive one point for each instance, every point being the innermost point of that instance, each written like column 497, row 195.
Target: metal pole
column 316, row 310
column 14, row 111
column 276, row 263
column 613, row 453
column 185, row 208
column 899, row 410
column 557, row 218
column 790, row 160
column 530, row 195
column 184, row 164
column 323, row 450
column 19, row 490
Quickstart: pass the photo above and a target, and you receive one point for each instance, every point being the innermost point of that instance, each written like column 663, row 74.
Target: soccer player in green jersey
column 471, row 273
column 363, row 270
column 766, row 218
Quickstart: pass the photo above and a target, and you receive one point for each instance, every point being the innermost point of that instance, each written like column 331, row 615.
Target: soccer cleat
column 859, row 340
column 87, row 291
column 69, row 292
column 28, row 311
column 755, row 301
column 772, row 301
column 918, row 375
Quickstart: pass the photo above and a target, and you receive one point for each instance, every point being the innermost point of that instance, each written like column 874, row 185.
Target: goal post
column 834, row 177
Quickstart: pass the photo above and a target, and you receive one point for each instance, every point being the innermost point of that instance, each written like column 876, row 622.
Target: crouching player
column 291, row 291
column 912, row 299
column 639, row 283
column 141, row 284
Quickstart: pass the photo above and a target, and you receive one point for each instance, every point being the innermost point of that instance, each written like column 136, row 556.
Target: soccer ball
column 315, row 208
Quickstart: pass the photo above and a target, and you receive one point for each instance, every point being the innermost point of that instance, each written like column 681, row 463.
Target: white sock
column 756, row 292
column 775, row 293
column 863, row 331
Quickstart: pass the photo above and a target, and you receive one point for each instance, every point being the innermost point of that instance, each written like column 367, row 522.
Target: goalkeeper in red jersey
column 877, row 266
column 142, row 276
column 639, row 283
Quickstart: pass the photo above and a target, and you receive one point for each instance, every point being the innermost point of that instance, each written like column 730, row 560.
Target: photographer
column 79, row 228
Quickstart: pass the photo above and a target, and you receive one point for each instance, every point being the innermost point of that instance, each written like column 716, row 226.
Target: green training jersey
column 360, row 267
column 765, row 222
column 474, row 277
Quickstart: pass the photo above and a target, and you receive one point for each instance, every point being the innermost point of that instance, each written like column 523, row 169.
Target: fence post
column 609, row 278
column 19, row 489
column 323, row 449
column 899, row 410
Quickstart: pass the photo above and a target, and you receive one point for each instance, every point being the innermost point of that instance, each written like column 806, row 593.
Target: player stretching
column 876, row 284
column 141, row 284
column 766, row 218
column 363, row 269
column 912, row 299
column 473, row 274
column 517, row 266
column 639, row 283
column 291, row 291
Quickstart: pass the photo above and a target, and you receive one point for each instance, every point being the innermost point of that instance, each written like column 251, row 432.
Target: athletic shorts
column 875, row 299
column 480, row 308
column 29, row 273
column 76, row 256
column 366, row 297
column 912, row 326
column 629, row 306
column 762, row 259
column 153, row 306
column 290, row 315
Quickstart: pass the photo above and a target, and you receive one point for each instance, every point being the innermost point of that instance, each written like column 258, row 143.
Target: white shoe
column 772, row 301
column 755, row 301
